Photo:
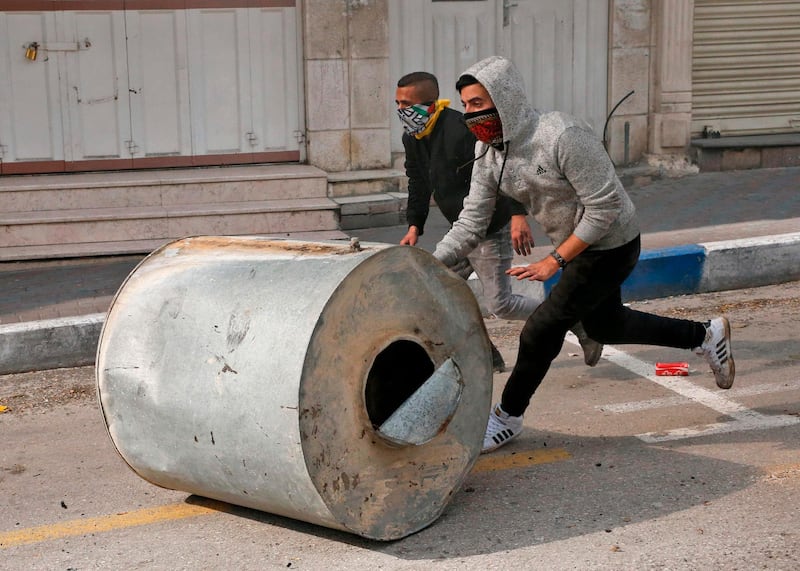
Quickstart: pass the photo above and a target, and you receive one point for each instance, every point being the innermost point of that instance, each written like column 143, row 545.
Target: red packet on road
column 672, row 369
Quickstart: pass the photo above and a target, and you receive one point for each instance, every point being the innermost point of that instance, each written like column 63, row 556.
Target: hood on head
column 506, row 87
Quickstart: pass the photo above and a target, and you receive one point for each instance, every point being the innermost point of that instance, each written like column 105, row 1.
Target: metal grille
column 746, row 67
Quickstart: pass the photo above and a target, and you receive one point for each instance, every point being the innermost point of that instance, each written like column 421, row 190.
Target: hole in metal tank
column 398, row 371
column 409, row 402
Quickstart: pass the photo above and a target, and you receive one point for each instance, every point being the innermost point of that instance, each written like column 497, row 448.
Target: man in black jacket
column 439, row 155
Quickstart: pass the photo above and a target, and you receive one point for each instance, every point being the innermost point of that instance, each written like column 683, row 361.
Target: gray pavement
column 754, row 214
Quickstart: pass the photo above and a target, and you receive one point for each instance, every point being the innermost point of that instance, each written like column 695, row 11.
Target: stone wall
column 651, row 54
column 347, row 84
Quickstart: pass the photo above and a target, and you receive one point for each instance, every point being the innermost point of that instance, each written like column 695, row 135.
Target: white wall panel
column 276, row 93
column 30, row 114
column 97, row 85
column 159, row 83
column 559, row 46
column 589, row 97
column 220, row 80
column 113, row 84
column 459, row 39
column 443, row 38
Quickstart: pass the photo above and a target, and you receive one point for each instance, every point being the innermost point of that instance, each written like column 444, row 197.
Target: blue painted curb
column 665, row 272
column 695, row 268
column 659, row 273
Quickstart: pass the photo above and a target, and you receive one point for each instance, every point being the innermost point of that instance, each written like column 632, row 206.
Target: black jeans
column 589, row 291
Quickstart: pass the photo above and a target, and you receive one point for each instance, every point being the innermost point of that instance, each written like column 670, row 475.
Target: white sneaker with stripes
column 717, row 349
column 500, row 429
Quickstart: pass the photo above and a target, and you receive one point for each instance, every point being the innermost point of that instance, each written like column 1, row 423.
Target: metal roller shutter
column 746, row 66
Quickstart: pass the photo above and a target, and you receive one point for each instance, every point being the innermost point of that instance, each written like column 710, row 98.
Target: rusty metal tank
column 340, row 384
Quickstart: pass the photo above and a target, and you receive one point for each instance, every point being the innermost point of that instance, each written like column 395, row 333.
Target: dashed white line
column 665, row 402
column 742, row 417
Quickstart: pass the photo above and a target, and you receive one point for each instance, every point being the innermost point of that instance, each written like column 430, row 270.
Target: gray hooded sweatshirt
column 554, row 165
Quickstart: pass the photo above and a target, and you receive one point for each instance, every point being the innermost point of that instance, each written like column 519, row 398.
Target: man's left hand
column 521, row 237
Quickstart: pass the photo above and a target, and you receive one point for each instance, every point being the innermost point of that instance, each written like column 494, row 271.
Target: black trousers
column 589, row 291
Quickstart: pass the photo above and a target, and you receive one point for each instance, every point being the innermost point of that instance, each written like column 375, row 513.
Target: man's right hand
column 411, row 237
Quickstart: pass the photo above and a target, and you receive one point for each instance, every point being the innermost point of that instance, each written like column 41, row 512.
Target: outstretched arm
column 547, row 267
column 419, row 194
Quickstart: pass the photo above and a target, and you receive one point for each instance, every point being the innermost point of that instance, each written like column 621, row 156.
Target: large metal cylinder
column 346, row 387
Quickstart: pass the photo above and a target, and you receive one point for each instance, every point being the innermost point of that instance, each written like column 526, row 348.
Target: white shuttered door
column 559, row 46
column 746, row 66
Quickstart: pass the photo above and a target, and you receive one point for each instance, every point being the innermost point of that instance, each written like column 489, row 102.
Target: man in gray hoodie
column 556, row 167
column 439, row 153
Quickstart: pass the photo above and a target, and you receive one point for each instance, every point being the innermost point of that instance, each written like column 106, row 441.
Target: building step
column 133, row 223
column 161, row 188
column 372, row 210
column 132, row 212
column 364, row 182
column 746, row 152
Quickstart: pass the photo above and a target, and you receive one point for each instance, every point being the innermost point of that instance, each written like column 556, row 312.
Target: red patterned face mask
column 485, row 125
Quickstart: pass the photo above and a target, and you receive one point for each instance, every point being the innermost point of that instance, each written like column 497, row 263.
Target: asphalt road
column 617, row 469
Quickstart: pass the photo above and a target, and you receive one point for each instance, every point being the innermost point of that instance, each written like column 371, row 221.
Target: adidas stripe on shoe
column 717, row 350
column 500, row 429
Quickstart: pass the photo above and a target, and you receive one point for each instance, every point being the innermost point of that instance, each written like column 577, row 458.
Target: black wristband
column 561, row 261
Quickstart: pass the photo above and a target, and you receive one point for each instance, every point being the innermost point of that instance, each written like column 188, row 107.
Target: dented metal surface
column 257, row 371
column 425, row 412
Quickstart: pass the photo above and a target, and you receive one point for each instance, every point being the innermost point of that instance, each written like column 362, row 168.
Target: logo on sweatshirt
column 540, row 170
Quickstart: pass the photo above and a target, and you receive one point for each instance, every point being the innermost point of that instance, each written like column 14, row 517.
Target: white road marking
column 665, row 402
column 742, row 417
column 753, row 421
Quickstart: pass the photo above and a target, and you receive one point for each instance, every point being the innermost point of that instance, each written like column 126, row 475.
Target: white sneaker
column 717, row 349
column 500, row 429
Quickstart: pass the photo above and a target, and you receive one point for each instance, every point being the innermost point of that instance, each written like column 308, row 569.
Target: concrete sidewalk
column 700, row 232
